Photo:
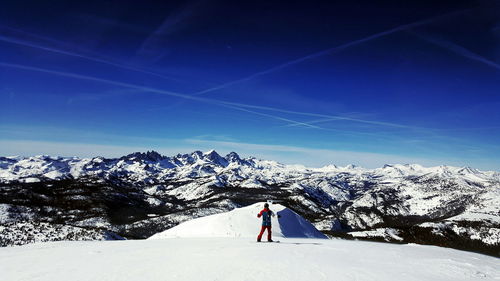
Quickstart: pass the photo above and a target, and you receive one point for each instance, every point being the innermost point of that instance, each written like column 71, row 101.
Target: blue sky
column 313, row 83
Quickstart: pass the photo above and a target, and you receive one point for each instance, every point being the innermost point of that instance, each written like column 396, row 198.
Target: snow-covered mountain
column 141, row 194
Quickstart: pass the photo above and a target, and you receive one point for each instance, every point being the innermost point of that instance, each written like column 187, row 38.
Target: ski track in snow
column 237, row 259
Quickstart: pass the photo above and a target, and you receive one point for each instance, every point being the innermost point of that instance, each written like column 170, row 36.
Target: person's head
column 266, row 205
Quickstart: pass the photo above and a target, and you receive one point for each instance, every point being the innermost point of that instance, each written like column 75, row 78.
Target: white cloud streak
column 330, row 51
column 233, row 105
column 153, row 47
column 457, row 49
column 311, row 114
column 30, row 148
column 238, row 106
column 292, row 122
column 12, row 40
column 314, row 157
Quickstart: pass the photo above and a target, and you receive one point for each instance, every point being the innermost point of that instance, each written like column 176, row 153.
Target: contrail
column 332, row 117
column 324, row 120
column 317, row 121
column 292, row 122
column 101, row 80
column 331, row 50
column 172, row 23
column 86, row 57
column 457, row 49
column 234, row 105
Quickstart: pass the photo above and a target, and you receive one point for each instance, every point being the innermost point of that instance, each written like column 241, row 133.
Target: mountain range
column 45, row 198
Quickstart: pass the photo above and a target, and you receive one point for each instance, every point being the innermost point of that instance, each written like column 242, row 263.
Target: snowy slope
column 243, row 222
column 229, row 259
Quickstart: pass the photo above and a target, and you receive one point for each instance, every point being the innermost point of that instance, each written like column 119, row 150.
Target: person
column 266, row 222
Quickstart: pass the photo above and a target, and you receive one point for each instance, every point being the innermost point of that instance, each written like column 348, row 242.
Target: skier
column 266, row 222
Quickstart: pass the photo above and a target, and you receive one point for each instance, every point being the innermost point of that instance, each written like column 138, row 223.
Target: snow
column 36, row 232
column 242, row 259
column 223, row 247
column 31, row 180
column 154, row 202
column 421, row 191
column 94, row 222
column 243, row 222
column 487, row 235
column 4, row 213
column 142, row 167
column 473, row 216
column 53, row 174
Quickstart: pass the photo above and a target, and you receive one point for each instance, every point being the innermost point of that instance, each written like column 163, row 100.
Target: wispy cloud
column 13, row 40
column 111, row 23
column 233, row 105
column 31, row 148
column 153, row 47
column 457, row 49
column 326, row 118
column 317, row 121
column 96, row 79
column 92, row 97
column 312, row 114
column 274, row 117
column 139, row 88
column 330, row 51
column 314, row 157
column 65, row 134
column 167, row 25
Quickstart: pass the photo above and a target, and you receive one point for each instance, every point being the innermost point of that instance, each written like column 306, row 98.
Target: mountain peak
column 468, row 170
column 148, row 156
column 211, row 151
column 197, row 153
column 214, row 157
column 233, row 157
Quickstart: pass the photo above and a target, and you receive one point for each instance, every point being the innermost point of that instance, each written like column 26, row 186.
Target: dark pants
column 262, row 232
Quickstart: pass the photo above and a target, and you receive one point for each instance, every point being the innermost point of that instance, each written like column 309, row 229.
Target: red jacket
column 266, row 216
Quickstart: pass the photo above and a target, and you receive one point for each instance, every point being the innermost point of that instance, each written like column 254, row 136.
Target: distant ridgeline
column 46, row 198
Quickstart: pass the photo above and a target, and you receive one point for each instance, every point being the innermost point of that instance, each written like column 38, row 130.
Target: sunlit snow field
column 223, row 247
column 242, row 259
